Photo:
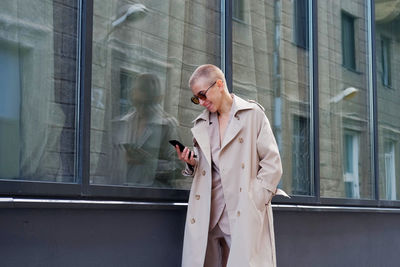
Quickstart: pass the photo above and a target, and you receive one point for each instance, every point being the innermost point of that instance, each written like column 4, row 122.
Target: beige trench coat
column 249, row 160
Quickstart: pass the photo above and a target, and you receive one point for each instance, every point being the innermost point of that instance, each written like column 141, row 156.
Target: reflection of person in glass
column 140, row 137
column 236, row 173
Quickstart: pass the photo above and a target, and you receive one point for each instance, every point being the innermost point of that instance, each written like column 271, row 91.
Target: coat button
column 238, row 213
column 240, row 140
column 242, row 165
column 197, row 197
column 237, row 117
column 192, row 220
column 240, row 190
column 204, row 172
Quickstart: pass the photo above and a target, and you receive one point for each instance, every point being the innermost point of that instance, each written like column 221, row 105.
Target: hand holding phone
column 181, row 147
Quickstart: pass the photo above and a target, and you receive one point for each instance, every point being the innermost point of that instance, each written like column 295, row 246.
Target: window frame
column 349, row 48
column 351, row 175
column 386, row 64
column 297, row 136
column 392, row 155
column 106, row 191
column 300, row 29
column 37, row 188
column 238, row 9
column 83, row 189
column 11, row 114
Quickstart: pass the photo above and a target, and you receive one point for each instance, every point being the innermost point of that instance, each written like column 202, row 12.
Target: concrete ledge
column 7, row 202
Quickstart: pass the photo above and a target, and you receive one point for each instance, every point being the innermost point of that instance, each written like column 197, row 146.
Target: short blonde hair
column 207, row 71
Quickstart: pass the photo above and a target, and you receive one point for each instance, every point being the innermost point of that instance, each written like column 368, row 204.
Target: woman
column 236, row 173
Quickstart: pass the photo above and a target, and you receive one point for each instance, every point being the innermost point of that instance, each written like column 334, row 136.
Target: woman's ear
column 220, row 84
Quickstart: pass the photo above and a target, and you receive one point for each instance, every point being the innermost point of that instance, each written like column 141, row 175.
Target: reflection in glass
column 387, row 45
column 37, row 91
column 345, row 140
column 351, row 162
column 301, row 23
column 140, row 156
column 348, row 42
column 271, row 66
column 390, row 170
column 143, row 56
column 301, row 157
column 386, row 64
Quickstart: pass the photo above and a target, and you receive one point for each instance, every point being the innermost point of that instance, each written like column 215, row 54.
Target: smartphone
column 181, row 147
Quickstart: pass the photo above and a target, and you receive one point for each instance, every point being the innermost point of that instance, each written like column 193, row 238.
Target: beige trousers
column 218, row 247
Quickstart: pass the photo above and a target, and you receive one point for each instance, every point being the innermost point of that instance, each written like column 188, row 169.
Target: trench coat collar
column 239, row 104
column 200, row 132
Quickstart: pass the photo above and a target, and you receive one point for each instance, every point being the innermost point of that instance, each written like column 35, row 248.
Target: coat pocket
column 260, row 195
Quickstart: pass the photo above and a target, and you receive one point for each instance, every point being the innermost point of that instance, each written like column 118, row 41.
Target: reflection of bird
column 136, row 10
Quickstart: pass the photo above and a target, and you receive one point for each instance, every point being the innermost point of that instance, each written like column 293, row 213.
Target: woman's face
column 138, row 97
column 146, row 91
column 213, row 100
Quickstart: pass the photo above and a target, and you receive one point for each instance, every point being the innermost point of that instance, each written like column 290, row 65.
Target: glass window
column 386, row 66
column 143, row 56
column 301, row 156
column 272, row 69
column 238, row 9
column 390, row 170
column 345, row 164
column 387, row 43
column 351, row 165
column 301, row 23
column 348, row 42
column 38, row 42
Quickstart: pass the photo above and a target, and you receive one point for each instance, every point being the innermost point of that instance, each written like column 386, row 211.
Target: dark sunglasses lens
column 202, row 96
column 195, row 100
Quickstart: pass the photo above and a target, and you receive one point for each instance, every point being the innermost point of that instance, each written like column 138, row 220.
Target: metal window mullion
column 226, row 42
column 373, row 97
column 314, row 87
column 84, row 94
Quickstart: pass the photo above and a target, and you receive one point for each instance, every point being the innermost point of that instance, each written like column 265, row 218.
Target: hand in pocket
column 261, row 195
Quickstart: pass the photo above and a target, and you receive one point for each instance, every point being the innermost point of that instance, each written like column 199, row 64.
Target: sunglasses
column 201, row 95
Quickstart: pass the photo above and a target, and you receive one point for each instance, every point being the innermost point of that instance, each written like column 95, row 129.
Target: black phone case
column 181, row 146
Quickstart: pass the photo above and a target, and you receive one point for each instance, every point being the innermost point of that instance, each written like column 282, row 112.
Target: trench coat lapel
column 235, row 125
column 233, row 129
column 200, row 134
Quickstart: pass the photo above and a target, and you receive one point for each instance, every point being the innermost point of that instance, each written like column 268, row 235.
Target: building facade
column 92, row 90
